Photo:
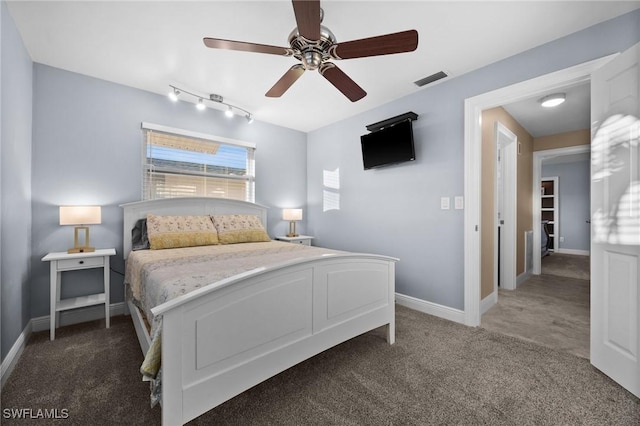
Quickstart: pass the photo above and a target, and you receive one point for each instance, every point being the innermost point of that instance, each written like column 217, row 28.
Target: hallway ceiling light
column 551, row 101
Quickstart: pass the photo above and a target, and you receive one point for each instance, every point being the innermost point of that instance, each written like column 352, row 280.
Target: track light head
column 249, row 118
column 229, row 112
column 173, row 95
column 200, row 105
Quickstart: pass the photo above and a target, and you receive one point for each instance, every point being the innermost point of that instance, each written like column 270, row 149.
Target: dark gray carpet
column 438, row 372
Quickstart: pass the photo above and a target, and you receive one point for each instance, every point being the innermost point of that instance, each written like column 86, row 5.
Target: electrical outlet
column 562, row 239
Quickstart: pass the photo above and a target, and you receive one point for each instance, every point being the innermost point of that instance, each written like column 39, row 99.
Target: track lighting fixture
column 201, row 105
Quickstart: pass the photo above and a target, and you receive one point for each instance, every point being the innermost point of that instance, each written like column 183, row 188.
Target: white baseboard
column 13, row 356
column 574, row 251
column 77, row 316
column 523, row 277
column 488, row 302
column 430, row 308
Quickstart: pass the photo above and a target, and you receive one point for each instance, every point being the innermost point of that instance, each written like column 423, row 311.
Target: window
column 180, row 163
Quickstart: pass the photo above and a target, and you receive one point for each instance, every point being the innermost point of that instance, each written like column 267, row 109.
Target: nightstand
column 63, row 261
column 300, row 239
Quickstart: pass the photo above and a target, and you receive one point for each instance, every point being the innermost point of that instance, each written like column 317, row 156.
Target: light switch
column 459, row 203
column 444, row 203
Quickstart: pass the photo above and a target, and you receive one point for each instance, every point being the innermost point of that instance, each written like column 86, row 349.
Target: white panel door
column 615, row 219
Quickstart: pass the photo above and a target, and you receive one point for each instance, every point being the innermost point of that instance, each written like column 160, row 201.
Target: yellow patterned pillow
column 180, row 231
column 239, row 228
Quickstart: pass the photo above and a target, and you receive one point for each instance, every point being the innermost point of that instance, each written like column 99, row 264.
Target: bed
column 231, row 334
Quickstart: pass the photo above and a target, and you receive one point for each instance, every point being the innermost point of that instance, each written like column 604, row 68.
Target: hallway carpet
column 546, row 309
column 566, row 265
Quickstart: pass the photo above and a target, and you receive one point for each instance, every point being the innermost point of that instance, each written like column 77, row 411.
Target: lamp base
column 81, row 250
column 292, row 229
column 77, row 247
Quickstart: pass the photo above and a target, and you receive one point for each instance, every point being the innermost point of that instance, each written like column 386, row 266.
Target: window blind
column 185, row 164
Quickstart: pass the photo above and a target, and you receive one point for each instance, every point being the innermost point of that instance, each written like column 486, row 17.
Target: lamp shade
column 80, row 215
column 292, row 214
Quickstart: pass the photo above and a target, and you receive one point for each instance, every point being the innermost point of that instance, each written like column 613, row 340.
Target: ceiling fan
column 314, row 45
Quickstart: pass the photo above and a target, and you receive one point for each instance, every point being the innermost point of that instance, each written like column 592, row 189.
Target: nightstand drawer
column 87, row 262
column 304, row 240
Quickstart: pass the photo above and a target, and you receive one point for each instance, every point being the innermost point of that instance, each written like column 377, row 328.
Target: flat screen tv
column 390, row 145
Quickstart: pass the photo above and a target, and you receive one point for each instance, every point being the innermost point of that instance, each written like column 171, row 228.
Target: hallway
column 551, row 309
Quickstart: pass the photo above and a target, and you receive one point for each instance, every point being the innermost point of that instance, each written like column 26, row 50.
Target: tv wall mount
column 393, row 120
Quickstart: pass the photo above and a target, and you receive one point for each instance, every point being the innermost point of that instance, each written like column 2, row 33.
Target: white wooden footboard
column 223, row 339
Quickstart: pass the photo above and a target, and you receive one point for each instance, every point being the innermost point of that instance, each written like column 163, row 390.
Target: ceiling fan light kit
column 314, row 45
column 175, row 92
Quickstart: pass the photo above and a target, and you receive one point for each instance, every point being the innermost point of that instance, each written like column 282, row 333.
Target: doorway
column 539, row 157
column 473, row 137
column 553, row 308
column 614, row 308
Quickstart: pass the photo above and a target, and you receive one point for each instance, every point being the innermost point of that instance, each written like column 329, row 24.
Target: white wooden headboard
column 184, row 206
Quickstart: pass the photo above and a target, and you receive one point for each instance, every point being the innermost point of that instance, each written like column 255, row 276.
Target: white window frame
column 250, row 146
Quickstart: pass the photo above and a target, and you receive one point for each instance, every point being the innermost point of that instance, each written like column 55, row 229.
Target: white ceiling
column 151, row 45
column 573, row 114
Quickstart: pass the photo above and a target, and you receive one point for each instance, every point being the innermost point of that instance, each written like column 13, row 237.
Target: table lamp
column 292, row 215
column 82, row 216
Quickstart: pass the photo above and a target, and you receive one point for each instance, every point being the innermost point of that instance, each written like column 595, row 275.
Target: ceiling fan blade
column 308, row 18
column 285, row 81
column 217, row 43
column 404, row 41
column 342, row 82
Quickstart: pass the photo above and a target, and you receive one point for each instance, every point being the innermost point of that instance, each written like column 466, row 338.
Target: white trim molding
column 10, row 361
column 488, row 302
column 473, row 108
column 523, row 277
column 574, row 251
column 445, row 312
column 42, row 323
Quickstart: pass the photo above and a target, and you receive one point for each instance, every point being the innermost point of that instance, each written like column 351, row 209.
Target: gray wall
column 84, row 147
column 15, row 170
column 396, row 211
column 574, row 181
column 87, row 150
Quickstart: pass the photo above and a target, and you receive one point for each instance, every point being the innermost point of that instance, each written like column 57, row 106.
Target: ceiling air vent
column 430, row 79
